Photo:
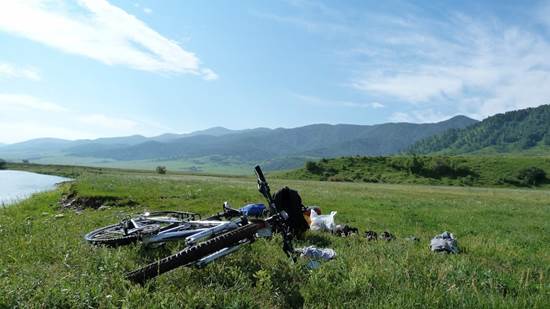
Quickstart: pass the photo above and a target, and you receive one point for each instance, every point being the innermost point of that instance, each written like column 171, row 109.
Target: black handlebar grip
column 259, row 173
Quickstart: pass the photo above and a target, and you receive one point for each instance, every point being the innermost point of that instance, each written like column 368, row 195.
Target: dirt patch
column 73, row 201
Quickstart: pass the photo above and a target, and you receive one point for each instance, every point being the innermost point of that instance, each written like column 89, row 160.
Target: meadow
column 503, row 233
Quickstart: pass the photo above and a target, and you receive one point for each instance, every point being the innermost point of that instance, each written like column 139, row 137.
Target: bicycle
column 205, row 244
column 162, row 226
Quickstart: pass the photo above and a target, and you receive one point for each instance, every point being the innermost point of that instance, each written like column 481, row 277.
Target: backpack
column 290, row 201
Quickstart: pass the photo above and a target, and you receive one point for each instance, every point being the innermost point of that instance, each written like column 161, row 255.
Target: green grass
column 481, row 171
column 504, row 235
column 212, row 164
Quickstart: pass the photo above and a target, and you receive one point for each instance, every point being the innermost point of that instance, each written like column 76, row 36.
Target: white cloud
column 411, row 87
column 12, row 71
column 109, row 122
column 377, row 105
column 312, row 100
column 420, row 116
column 147, row 10
column 100, row 31
column 401, row 117
column 21, row 102
column 209, row 74
column 22, row 130
column 475, row 67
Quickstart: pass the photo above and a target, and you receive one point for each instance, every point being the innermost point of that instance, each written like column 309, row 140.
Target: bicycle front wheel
column 113, row 235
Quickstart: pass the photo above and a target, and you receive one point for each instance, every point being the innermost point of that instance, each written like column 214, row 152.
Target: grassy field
column 504, row 235
column 203, row 164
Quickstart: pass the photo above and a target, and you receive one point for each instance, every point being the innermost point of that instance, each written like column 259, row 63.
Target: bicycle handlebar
column 263, row 187
column 259, row 173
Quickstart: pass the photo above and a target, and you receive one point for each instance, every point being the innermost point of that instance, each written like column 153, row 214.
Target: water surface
column 18, row 185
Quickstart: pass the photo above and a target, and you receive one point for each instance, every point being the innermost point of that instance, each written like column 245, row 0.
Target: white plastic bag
column 322, row 222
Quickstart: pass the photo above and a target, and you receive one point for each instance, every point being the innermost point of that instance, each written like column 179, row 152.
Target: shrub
column 161, row 170
column 440, row 167
column 532, row 176
column 313, row 167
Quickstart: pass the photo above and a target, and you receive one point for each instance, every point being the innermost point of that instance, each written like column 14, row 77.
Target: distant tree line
column 2, row 164
column 432, row 167
column 423, row 166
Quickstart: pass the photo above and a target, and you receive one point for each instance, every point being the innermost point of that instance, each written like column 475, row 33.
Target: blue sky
column 94, row 68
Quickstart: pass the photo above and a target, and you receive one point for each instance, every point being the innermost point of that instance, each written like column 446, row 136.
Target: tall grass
column 504, row 235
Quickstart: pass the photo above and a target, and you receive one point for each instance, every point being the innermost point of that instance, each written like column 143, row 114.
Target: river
column 18, row 185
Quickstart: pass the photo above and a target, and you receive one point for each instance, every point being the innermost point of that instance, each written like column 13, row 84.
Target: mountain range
column 275, row 148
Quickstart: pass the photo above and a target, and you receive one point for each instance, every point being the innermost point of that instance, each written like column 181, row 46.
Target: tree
column 2, row 164
column 161, row 170
column 546, row 138
column 532, row 176
column 313, row 167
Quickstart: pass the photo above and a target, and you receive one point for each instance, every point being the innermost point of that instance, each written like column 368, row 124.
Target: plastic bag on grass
column 445, row 242
column 314, row 255
column 322, row 222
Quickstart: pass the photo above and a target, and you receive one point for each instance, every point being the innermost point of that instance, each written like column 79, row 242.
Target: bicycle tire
column 122, row 240
column 193, row 253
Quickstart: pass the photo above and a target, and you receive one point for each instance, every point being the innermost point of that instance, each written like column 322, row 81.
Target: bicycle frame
column 210, row 239
column 191, row 235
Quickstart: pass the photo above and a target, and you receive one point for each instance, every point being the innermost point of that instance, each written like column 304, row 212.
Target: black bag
column 290, row 201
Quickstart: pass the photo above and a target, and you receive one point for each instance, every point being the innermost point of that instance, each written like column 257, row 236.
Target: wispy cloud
column 8, row 70
column 10, row 102
column 109, row 122
column 313, row 100
column 147, row 11
column 24, row 117
column 420, row 116
column 100, row 31
column 479, row 68
column 432, row 68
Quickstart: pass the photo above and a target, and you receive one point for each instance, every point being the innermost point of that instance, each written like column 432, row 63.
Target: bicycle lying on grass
column 209, row 239
column 162, row 226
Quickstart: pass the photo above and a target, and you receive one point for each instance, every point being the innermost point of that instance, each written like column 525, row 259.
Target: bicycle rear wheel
column 193, row 253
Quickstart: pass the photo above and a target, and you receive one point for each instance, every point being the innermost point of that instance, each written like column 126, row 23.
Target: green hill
column 523, row 131
column 495, row 171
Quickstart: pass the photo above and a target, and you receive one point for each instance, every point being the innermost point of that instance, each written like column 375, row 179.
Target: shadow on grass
column 148, row 254
column 317, row 240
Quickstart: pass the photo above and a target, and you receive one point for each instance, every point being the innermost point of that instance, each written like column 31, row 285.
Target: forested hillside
column 526, row 130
